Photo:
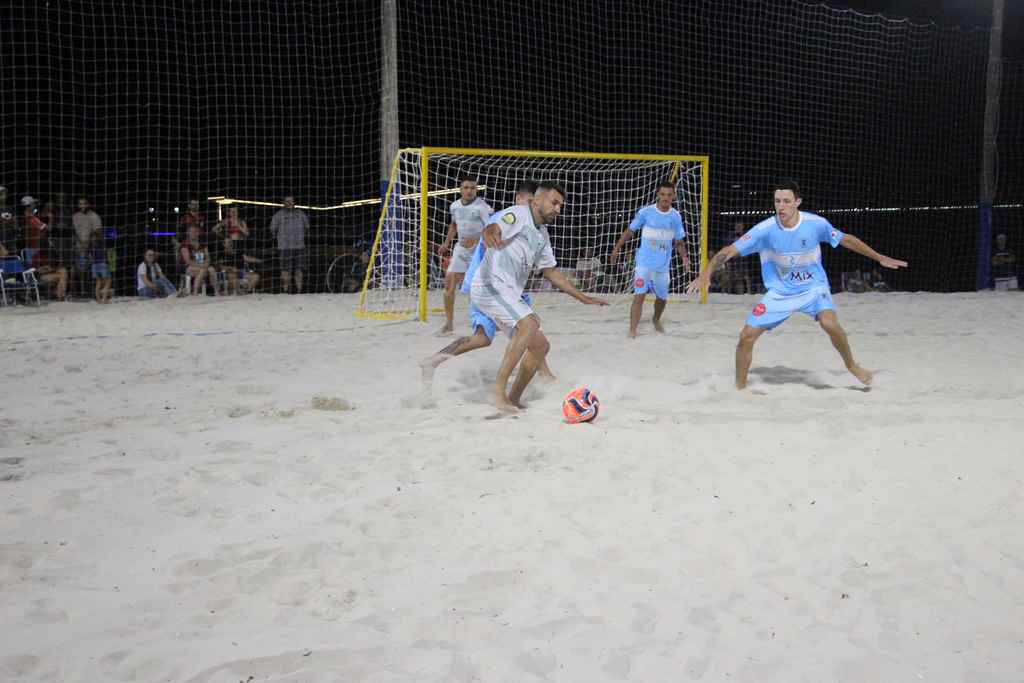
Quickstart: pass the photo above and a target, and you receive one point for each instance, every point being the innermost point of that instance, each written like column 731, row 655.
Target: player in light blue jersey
column 789, row 244
column 661, row 230
column 484, row 329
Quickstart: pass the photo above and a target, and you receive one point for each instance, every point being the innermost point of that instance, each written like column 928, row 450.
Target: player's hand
column 593, row 301
column 700, row 282
column 441, row 249
column 887, row 262
column 492, row 236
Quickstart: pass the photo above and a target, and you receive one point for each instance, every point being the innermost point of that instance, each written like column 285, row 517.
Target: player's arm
column 559, row 280
column 703, row 280
column 623, row 238
column 448, row 239
column 680, row 247
column 856, row 244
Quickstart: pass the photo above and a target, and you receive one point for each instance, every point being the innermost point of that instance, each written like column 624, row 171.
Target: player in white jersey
column 484, row 329
column 661, row 230
column 517, row 244
column 789, row 246
column 469, row 215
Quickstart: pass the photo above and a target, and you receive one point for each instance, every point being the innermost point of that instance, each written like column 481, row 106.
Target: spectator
column 150, row 280
column 87, row 226
column 33, row 228
column 52, row 275
column 734, row 277
column 191, row 218
column 1004, row 266
column 195, row 258
column 357, row 273
column 289, row 225
column 239, row 274
column 97, row 256
column 232, row 227
column 8, row 227
column 62, row 237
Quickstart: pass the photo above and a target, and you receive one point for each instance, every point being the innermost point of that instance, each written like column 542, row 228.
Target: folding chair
column 14, row 278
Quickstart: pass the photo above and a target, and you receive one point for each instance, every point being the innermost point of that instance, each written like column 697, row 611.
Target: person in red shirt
column 192, row 218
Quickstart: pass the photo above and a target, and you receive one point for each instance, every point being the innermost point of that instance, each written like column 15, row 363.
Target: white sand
column 172, row 507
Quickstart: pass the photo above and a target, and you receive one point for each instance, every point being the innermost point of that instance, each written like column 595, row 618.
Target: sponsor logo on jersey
column 759, row 309
column 639, row 283
column 800, row 276
column 509, row 218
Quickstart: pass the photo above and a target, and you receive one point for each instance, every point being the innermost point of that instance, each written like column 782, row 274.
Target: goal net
column 603, row 192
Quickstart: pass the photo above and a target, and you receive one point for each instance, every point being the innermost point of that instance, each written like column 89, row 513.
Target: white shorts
column 460, row 259
column 500, row 303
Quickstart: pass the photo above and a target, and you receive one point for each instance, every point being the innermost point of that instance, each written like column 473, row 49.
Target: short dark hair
column 551, row 185
column 526, row 187
column 666, row 183
column 467, row 178
column 787, row 184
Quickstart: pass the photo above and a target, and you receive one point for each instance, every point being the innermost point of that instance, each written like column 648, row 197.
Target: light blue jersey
column 657, row 232
column 790, row 257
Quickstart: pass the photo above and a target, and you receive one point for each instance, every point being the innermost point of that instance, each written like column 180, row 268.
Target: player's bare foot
column 546, row 377
column 631, row 334
column 658, row 327
column 863, row 374
column 519, row 404
column 445, row 331
column 502, row 403
column 428, row 366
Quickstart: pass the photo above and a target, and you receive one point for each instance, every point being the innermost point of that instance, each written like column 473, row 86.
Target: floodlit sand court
column 254, row 489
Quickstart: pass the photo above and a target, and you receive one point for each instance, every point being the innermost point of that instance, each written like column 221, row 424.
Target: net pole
column 424, row 205
column 705, row 179
column 988, row 166
column 388, row 89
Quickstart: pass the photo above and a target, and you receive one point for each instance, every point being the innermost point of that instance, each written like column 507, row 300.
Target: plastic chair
column 15, row 277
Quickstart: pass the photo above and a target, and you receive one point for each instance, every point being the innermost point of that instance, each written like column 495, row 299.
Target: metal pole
column 993, row 85
column 388, row 89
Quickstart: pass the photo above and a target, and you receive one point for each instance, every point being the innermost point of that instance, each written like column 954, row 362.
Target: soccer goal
column 603, row 191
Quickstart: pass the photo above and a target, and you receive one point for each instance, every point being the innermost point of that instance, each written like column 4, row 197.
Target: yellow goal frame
column 425, row 193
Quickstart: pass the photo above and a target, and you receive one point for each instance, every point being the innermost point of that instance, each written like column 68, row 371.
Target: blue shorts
column 100, row 270
column 774, row 308
column 646, row 280
column 478, row 318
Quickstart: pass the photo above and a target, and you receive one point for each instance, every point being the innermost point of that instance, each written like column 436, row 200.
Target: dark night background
column 144, row 105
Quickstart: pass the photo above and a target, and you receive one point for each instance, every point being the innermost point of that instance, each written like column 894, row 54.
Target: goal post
column 603, row 192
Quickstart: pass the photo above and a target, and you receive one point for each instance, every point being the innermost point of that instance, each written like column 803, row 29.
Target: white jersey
column 470, row 219
column 525, row 248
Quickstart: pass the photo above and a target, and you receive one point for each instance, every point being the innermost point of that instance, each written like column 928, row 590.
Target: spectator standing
column 191, row 218
column 33, row 228
column 290, row 225
column 150, row 281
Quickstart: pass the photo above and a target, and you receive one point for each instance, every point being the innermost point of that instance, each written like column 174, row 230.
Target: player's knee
column 539, row 345
column 748, row 335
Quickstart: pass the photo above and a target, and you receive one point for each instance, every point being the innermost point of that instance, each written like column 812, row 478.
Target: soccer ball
column 580, row 405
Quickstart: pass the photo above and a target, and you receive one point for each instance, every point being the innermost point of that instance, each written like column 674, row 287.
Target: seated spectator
column 1004, row 266
column 357, row 273
column 195, row 258
column 54, row 276
column 150, row 280
column 239, row 266
column 874, row 281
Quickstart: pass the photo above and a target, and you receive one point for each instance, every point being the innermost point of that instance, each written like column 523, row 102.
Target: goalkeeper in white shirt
column 469, row 215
